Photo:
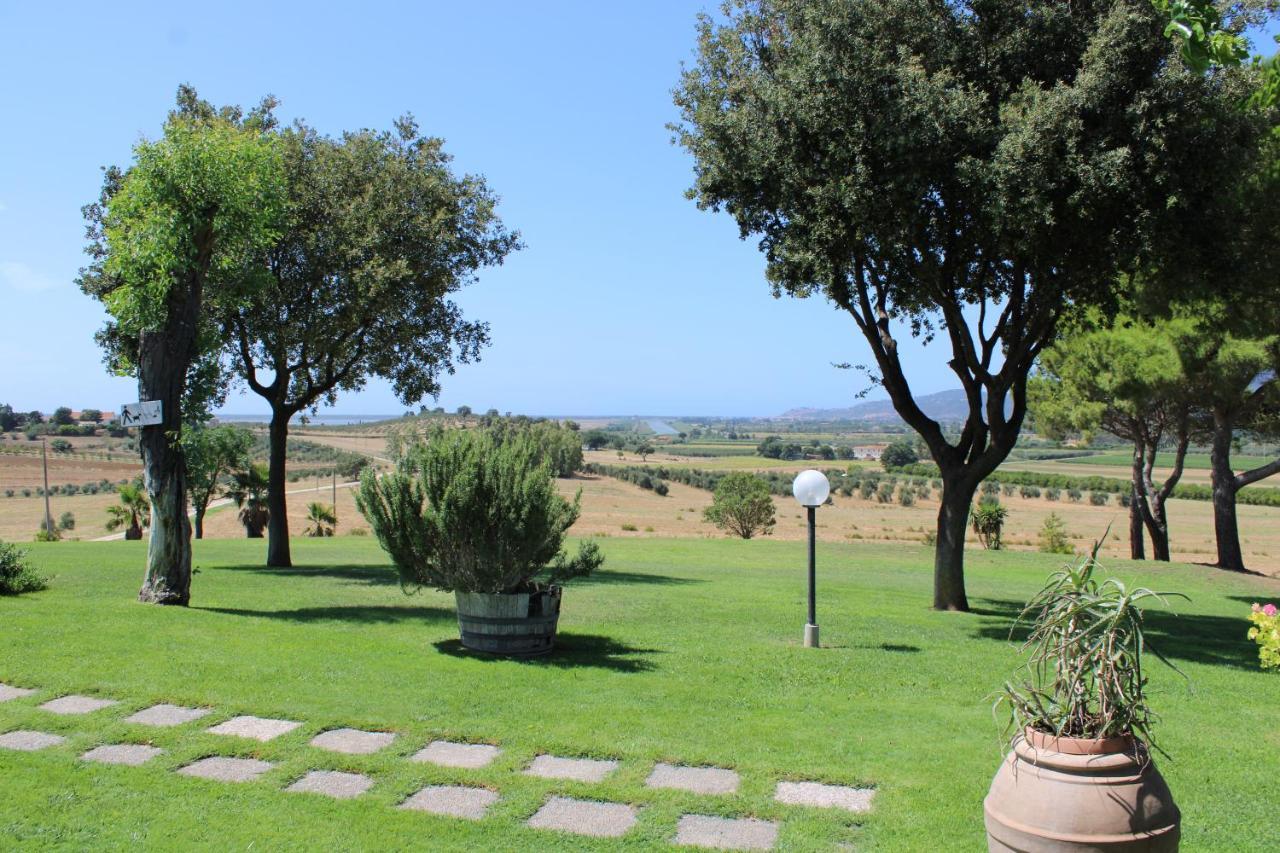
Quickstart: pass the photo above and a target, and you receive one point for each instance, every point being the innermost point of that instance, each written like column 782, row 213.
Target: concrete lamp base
column 811, row 636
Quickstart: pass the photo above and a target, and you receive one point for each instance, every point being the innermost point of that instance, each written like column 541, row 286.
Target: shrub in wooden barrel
column 1054, row 795
column 516, row 624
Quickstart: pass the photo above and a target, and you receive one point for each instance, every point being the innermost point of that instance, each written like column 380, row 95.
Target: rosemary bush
column 1087, row 647
column 471, row 511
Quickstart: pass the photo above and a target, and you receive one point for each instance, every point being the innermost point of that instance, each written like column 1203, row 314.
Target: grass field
column 1193, row 461
column 681, row 650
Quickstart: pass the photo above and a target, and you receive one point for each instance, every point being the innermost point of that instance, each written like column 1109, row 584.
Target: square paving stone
column 585, row 817
column 166, row 715
column 700, row 780
column 131, row 754
column 452, row 800
column 331, row 783
column 577, row 769
column 824, row 796
column 257, row 728
column 227, row 769
column 726, row 833
column 449, row 754
column 29, row 741
column 77, row 704
column 7, row 692
column 353, row 741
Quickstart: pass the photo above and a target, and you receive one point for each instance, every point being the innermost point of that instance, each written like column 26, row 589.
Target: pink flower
column 1269, row 610
column 1257, row 608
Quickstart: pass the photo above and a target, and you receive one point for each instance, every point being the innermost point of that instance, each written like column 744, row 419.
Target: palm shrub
column 133, row 512
column 1086, row 643
column 742, row 505
column 16, row 576
column 469, row 512
column 321, row 519
column 248, row 490
column 988, row 523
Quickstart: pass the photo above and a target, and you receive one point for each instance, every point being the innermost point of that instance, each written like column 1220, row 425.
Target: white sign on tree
column 145, row 413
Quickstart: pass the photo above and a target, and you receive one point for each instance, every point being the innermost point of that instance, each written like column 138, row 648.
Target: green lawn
column 684, row 651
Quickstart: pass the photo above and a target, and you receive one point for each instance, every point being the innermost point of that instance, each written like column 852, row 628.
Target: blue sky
column 627, row 299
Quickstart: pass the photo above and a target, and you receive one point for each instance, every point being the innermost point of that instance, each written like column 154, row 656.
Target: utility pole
column 48, row 514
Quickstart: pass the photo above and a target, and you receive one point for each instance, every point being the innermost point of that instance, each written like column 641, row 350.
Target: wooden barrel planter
column 515, row 625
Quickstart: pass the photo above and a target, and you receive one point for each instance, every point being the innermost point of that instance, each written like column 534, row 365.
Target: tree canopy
column 970, row 172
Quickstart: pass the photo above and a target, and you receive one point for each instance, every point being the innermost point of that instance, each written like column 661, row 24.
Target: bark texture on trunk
column 948, row 556
column 278, row 524
column 162, row 377
column 1137, row 549
column 199, row 522
column 1225, row 487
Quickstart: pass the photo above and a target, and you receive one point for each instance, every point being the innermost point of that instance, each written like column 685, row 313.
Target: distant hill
column 942, row 406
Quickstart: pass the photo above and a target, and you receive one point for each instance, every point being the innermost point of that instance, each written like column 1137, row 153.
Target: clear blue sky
column 627, row 299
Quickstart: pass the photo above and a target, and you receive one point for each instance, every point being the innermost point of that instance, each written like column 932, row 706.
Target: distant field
column 1194, row 461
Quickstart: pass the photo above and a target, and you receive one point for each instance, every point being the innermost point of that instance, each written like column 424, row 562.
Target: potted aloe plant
column 1080, row 775
column 477, row 513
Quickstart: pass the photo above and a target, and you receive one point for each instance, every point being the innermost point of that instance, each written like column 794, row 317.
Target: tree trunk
column 162, row 376
column 1137, row 550
column 199, row 522
column 278, row 524
column 1224, row 496
column 948, row 555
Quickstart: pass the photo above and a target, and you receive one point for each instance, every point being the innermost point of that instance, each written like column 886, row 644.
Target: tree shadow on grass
column 606, row 576
column 369, row 614
column 369, row 575
column 1213, row 640
column 571, row 650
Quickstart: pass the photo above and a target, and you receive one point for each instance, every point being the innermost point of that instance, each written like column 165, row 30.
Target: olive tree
column 172, row 238
column 742, row 505
column 377, row 234
column 968, row 172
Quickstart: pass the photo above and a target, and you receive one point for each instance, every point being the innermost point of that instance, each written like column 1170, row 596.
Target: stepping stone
column 353, row 741
column 452, row 800
column 131, row 754
column 699, row 780
column 449, row 754
column 577, row 769
column 331, row 783
column 29, row 741
column 167, row 715
column 77, row 704
column 7, row 692
column 584, row 817
column 227, row 769
column 856, row 800
column 257, row 728
column 726, row 833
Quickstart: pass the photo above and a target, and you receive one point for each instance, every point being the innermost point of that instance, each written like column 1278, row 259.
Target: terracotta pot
column 1073, row 794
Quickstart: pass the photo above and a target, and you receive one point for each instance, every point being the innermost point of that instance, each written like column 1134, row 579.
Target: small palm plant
column 1087, row 646
column 988, row 523
column 321, row 519
column 249, row 492
column 133, row 512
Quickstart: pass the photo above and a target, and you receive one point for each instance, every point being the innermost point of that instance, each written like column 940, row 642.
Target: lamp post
column 811, row 489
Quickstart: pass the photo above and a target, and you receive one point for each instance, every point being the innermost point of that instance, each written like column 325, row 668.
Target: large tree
column 172, row 237
column 378, row 235
column 970, row 171
column 1127, row 379
column 1238, row 381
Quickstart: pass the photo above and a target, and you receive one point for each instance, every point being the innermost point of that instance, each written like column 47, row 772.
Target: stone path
column 452, row 800
column 584, row 817
column 448, row 754
column 557, row 813
column 577, row 769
